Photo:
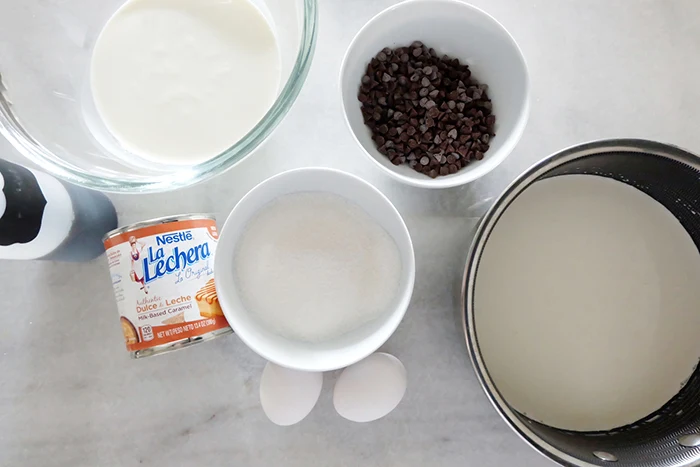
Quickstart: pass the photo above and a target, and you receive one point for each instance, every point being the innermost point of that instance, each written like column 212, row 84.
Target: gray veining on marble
column 69, row 395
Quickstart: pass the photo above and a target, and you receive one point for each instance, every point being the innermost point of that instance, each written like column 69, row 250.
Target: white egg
column 371, row 388
column 287, row 396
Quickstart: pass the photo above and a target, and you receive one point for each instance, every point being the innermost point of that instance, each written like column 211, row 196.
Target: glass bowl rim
column 29, row 147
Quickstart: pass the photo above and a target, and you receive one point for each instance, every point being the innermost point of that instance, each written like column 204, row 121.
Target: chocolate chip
column 425, row 111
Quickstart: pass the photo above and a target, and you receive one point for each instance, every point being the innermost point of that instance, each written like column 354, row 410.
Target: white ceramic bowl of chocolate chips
column 435, row 92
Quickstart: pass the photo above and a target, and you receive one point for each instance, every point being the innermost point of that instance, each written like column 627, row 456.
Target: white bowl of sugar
column 314, row 269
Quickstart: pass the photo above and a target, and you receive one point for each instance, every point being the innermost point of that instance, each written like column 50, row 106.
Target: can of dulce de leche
column 163, row 277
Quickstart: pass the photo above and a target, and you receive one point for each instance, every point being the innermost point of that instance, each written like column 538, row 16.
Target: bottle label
column 36, row 212
column 24, row 205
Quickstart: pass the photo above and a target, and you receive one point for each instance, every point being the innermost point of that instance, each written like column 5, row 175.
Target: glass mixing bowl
column 46, row 107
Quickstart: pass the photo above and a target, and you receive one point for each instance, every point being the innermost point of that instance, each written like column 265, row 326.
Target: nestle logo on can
column 174, row 237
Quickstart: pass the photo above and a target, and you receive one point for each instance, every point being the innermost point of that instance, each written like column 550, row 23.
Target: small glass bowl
column 46, row 107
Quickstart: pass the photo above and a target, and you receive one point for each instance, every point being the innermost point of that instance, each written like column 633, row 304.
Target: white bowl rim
column 396, row 315
column 469, row 175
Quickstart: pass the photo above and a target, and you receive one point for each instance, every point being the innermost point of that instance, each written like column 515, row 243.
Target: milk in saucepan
column 587, row 302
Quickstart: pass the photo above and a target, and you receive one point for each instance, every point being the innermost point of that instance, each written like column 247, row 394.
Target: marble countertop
column 70, row 396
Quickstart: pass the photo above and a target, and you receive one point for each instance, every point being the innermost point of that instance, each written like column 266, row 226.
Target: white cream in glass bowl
column 149, row 95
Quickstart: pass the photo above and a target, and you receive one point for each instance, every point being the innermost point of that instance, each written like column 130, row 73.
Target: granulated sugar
column 586, row 303
column 314, row 266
